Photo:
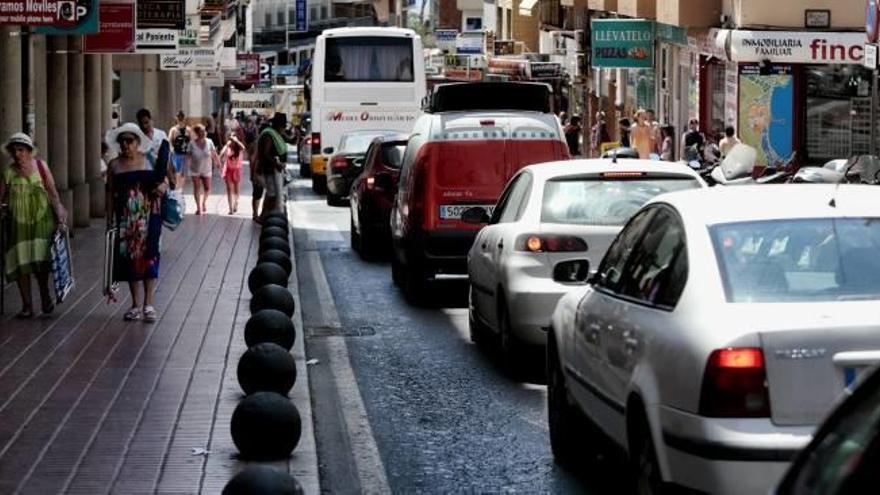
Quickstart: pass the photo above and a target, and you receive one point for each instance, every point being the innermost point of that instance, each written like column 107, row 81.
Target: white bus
column 364, row 78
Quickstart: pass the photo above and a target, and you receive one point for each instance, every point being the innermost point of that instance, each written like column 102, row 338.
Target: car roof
column 729, row 204
column 555, row 170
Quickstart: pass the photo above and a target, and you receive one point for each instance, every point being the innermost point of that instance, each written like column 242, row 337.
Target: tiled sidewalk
column 92, row 404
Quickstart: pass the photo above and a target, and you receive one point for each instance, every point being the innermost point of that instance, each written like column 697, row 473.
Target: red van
column 472, row 139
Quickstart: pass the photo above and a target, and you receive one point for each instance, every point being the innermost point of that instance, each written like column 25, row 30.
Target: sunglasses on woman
column 125, row 140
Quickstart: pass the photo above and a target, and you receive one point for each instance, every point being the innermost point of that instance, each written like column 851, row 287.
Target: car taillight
column 316, row 143
column 339, row 162
column 371, row 182
column 539, row 243
column 735, row 385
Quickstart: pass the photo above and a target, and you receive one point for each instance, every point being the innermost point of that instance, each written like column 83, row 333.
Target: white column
column 106, row 93
column 151, row 84
column 39, row 90
column 56, row 70
column 10, row 82
column 93, row 137
column 76, row 131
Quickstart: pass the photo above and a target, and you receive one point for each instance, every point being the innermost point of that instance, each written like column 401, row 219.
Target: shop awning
column 526, row 6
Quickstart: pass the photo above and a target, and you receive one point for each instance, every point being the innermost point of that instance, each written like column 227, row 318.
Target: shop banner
column 117, row 30
column 260, row 102
column 156, row 41
column 795, row 47
column 622, row 43
column 446, row 39
column 161, row 14
column 469, row 43
column 301, row 23
column 514, row 67
column 52, row 16
column 247, row 69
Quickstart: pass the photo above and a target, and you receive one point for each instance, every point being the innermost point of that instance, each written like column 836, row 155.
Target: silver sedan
column 719, row 329
column 551, row 220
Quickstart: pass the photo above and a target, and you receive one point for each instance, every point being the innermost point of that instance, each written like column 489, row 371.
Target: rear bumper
column 531, row 301
column 441, row 252
column 726, row 455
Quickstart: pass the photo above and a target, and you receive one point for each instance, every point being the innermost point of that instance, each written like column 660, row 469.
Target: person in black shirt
column 692, row 137
column 573, row 136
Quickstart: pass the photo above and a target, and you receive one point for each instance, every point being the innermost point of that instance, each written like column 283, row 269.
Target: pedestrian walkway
column 92, row 404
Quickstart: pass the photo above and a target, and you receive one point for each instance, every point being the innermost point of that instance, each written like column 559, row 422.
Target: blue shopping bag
column 61, row 264
column 172, row 209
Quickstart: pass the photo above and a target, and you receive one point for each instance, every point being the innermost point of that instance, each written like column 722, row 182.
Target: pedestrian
column 642, row 135
column 599, row 134
column 211, row 129
column 134, row 194
column 232, row 157
column 202, row 157
column 572, row 133
column 667, row 146
column 656, row 130
column 692, row 137
column 271, row 162
column 563, row 118
column 157, row 136
column 180, row 136
column 729, row 141
column 30, row 201
column 623, row 126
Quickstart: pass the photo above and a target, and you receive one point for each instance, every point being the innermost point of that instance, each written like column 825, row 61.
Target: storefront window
column 838, row 112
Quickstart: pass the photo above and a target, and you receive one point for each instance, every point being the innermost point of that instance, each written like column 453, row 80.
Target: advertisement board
column 156, row 41
column 161, row 14
column 52, row 16
column 247, row 69
column 623, row 43
column 116, row 32
column 246, row 102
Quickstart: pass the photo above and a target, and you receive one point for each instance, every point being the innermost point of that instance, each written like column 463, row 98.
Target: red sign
column 117, row 30
column 247, row 70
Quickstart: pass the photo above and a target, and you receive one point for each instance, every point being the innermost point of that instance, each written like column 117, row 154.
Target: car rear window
column 796, row 260
column 357, row 143
column 607, row 202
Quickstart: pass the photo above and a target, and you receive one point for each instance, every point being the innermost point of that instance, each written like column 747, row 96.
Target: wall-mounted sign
column 623, row 43
column 156, row 41
column 161, row 14
column 544, row 69
column 52, row 16
column 261, row 103
column 817, row 18
column 117, row 30
column 247, row 70
column 797, row 47
column 469, row 43
column 446, row 39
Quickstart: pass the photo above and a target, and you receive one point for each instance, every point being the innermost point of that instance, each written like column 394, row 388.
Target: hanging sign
column 52, row 16
column 155, row 41
column 262, row 103
column 161, row 14
column 623, row 44
column 301, row 22
column 247, row 69
column 117, row 30
column 797, row 47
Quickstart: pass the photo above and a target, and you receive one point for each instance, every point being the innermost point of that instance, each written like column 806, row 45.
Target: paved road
column 404, row 401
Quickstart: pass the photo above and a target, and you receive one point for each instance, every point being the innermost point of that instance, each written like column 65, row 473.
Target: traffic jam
column 713, row 320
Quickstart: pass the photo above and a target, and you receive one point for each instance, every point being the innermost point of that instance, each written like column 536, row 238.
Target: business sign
column 513, row 67
column 469, row 43
column 157, row 41
column 623, row 43
column 538, row 70
column 301, row 22
column 262, row 102
column 446, row 39
column 188, row 37
column 798, row 47
column 117, row 30
column 51, row 16
column 161, row 14
column 247, row 69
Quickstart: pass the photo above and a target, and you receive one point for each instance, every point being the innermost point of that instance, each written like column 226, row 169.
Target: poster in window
column 766, row 112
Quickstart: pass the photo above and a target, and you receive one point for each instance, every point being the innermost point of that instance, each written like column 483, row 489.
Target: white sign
column 263, row 103
column 194, row 58
column 870, row 56
column 796, row 47
column 155, row 41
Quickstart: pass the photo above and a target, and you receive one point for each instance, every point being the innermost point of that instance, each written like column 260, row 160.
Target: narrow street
column 403, row 388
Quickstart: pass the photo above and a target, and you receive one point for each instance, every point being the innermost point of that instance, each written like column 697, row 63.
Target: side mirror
column 572, row 272
column 475, row 215
column 328, row 150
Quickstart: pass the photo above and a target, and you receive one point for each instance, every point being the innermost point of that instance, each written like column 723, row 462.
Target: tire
column 369, row 247
column 305, row 169
column 319, row 184
column 510, row 347
column 396, row 271
column 414, row 283
column 356, row 240
column 478, row 331
column 562, row 417
column 334, row 200
column 643, row 459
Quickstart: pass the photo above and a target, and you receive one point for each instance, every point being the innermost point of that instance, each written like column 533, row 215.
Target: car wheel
column 414, row 280
column 643, row 460
column 319, row 184
column 334, row 200
column 396, row 270
column 478, row 330
column 368, row 242
column 510, row 346
column 562, row 417
column 356, row 240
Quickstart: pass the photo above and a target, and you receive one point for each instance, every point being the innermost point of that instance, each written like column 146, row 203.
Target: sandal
column 132, row 314
column 150, row 314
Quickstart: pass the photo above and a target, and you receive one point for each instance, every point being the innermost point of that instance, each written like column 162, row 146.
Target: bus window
column 369, row 59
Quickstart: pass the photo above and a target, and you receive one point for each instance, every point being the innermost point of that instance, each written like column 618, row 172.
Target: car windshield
column 369, row 59
column 357, row 143
column 603, row 201
column 828, row 259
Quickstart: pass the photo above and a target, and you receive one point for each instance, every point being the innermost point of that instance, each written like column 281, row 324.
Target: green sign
column 623, row 43
column 673, row 35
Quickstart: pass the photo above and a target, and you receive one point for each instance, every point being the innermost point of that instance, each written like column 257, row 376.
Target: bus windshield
column 369, row 59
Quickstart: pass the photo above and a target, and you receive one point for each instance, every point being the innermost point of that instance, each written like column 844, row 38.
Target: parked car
column 347, row 162
column 718, row 330
column 372, row 194
column 550, row 218
column 472, row 140
column 844, row 455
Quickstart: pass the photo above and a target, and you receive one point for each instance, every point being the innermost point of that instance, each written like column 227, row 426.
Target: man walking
column 157, row 136
column 271, row 161
column 573, row 136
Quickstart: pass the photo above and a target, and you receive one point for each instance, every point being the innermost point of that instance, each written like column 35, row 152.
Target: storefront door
column 837, row 112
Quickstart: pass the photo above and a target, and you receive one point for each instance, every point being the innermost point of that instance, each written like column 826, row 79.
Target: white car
column 551, row 218
column 719, row 329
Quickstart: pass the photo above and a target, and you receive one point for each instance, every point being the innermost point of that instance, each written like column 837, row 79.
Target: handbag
column 172, row 209
column 61, row 264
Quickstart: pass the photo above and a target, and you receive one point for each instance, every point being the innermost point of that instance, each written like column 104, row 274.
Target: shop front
column 802, row 96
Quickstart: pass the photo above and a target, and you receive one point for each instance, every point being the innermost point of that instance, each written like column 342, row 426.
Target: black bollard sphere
column 270, row 325
column 277, row 222
column 266, row 367
column 273, row 297
column 265, row 426
column 277, row 257
column 275, row 243
column 262, row 480
column 268, row 232
column 277, row 214
column 265, row 274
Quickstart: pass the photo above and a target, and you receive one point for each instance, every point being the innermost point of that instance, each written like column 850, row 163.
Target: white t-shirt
column 158, row 136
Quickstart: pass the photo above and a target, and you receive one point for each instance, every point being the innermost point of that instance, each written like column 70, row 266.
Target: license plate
column 454, row 212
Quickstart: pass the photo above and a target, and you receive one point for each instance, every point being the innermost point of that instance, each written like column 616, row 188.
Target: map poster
column 766, row 112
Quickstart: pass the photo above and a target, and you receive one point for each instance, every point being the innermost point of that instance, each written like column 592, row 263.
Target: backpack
column 181, row 141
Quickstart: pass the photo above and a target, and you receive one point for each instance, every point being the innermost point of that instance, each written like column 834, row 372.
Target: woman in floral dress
column 134, row 191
